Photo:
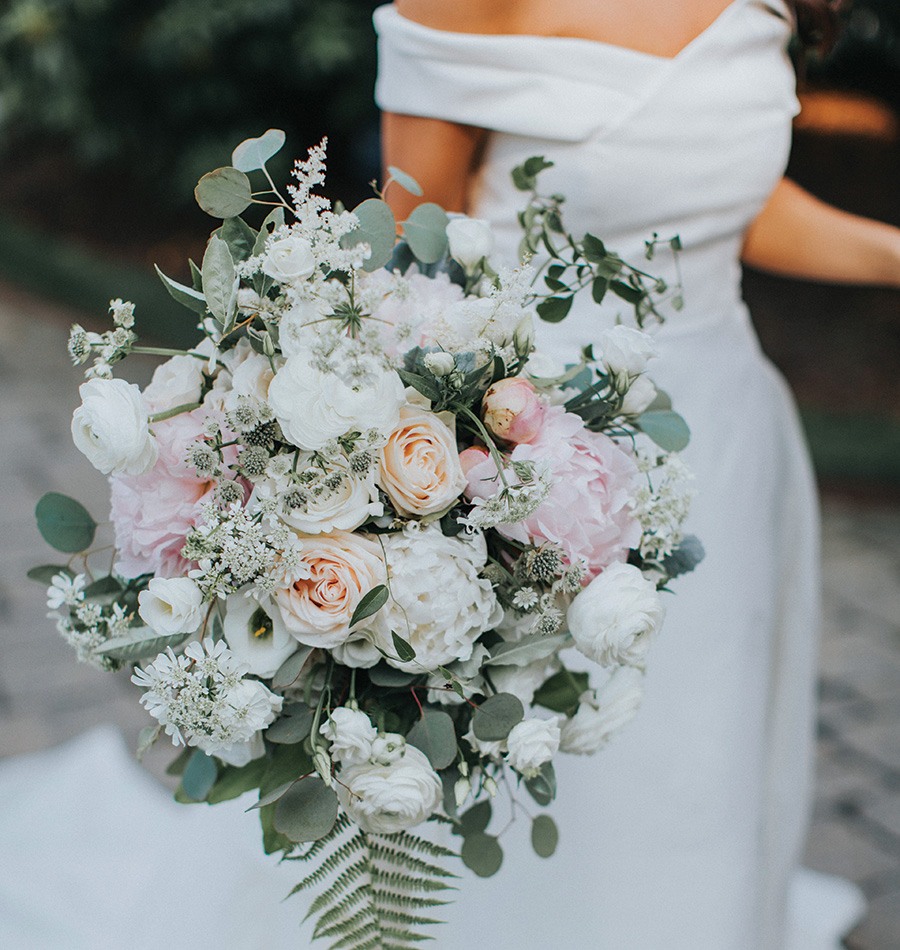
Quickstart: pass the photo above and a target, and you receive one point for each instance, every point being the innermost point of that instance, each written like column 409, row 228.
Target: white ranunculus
column 251, row 377
column 471, row 240
column 289, row 260
column 111, row 428
column 351, row 734
column 624, row 350
column 615, row 617
column 640, row 394
column 599, row 716
column 177, row 382
column 313, row 407
column 171, row 605
column 523, row 681
column 240, row 753
column 256, row 634
column 441, row 620
column 532, row 743
column 384, row 799
column 357, row 651
column 388, row 748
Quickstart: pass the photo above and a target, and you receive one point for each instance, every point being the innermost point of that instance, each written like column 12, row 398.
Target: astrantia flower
column 201, row 698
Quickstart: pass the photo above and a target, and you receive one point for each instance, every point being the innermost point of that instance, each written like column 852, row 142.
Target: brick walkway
column 46, row 698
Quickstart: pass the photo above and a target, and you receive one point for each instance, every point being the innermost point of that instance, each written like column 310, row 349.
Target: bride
column 672, row 118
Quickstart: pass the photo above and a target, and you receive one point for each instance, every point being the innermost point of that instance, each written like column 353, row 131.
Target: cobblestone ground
column 46, row 698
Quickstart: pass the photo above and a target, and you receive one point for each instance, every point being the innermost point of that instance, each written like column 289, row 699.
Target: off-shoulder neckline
column 524, row 39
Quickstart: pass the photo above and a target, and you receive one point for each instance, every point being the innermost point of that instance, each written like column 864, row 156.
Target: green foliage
column 667, row 429
column 496, row 716
column 405, row 651
column 377, row 228
column 46, row 572
column 289, row 671
column 253, row 153
column 233, row 781
column 542, row 787
column 544, row 836
column 199, row 776
column 522, row 652
column 375, row 889
column 435, row 736
column 561, row 692
column 685, row 557
column 130, row 649
column 64, row 523
column 370, row 604
column 307, row 811
column 224, row 192
column 425, row 231
column 482, row 854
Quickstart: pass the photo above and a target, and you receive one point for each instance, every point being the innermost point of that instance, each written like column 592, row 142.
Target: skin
column 795, row 235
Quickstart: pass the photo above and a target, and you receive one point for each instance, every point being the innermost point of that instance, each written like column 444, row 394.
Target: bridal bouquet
column 361, row 527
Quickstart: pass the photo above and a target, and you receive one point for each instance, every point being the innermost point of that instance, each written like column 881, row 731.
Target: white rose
column 351, row 735
column 598, row 717
column 640, row 394
column 177, row 382
column 615, row 617
column 440, row 363
column 289, row 259
column 256, row 634
column 110, row 427
column 388, row 748
column 313, row 407
column 625, row 351
column 532, row 743
column 171, row 605
column 343, row 508
column 471, row 240
column 250, row 378
column 384, row 799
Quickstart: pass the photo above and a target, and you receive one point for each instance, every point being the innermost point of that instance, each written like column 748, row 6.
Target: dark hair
column 818, row 22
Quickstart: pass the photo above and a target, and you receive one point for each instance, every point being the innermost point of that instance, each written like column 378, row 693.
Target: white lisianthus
column 600, row 716
column 531, row 744
column 615, row 617
column 640, row 394
column 313, row 407
column 443, row 624
column 177, row 382
column 171, row 605
column 289, row 260
column 470, row 239
column 384, row 799
column 624, row 350
column 111, row 428
column 351, row 735
column 256, row 633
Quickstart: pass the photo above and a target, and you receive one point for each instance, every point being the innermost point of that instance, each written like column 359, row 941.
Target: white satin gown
column 686, row 832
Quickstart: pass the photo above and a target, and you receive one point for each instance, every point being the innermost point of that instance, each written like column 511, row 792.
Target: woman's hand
column 797, row 235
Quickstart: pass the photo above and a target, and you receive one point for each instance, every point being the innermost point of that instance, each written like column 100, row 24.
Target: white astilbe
column 527, row 485
column 663, row 503
column 202, row 699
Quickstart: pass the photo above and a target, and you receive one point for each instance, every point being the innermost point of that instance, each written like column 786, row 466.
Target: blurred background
column 109, row 112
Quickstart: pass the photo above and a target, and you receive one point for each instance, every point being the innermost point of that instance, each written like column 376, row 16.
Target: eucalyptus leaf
column 425, row 231
column 307, row 811
column 46, row 572
column 377, row 228
column 482, row 854
column 525, row 651
column 389, row 677
column 103, row 587
column 287, row 763
column 291, row 728
column 273, row 841
column 370, row 604
column 271, row 796
column 219, row 280
column 64, row 523
column 239, row 236
column 252, row 154
column 562, row 691
column 542, row 787
column 130, row 649
column 224, row 193
column 496, row 716
column 661, row 401
column 199, row 776
column 179, row 763
column 405, row 181
column 186, row 296
column 405, row 651
column 475, row 820
column 667, row 429
column 554, row 309
column 544, row 836
column 435, row 736
column 286, row 674
column 233, row 781
column 685, row 557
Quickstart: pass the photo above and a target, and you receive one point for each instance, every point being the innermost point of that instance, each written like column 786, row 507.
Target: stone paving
column 46, row 698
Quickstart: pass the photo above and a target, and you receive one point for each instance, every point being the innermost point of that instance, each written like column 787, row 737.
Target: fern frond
column 347, row 878
column 381, row 852
column 414, row 843
column 408, row 883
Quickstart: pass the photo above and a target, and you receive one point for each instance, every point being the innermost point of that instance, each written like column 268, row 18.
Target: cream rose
column 289, row 259
column 171, row 605
column 337, row 571
column 419, row 467
column 532, row 743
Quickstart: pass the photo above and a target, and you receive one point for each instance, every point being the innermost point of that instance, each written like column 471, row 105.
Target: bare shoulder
column 461, row 16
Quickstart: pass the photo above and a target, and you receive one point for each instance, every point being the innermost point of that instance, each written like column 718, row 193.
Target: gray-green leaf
column 219, row 281
column 307, row 811
column 186, row 296
column 286, row 674
column 482, row 854
column 544, row 835
column 524, row 651
column 435, row 736
column 224, row 193
column 495, row 717
column 370, row 604
column 667, row 429
column 130, row 649
column 405, row 181
column 475, row 820
column 542, row 787
column 405, row 651
column 64, row 523
column 426, row 232
column 199, row 776
column 46, row 572
column 377, row 228
column 252, row 154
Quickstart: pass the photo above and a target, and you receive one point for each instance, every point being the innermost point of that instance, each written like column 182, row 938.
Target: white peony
column 624, row 350
column 256, row 634
column 313, row 407
column 289, row 260
column 111, row 428
column 532, row 743
column 351, row 735
column 615, row 617
column 439, row 603
column 177, row 382
column 171, row 605
column 470, row 239
column 640, row 394
column 598, row 717
column 384, row 799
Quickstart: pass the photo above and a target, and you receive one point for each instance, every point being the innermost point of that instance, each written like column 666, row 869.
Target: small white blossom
column 65, row 590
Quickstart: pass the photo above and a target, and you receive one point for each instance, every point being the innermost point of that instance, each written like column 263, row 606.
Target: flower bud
column 513, row 410
column 471, row 457
column 323, row 766
column 490, row 786
column 523, row 337
column 471, row 240
column 461, row 791
column 440, row 364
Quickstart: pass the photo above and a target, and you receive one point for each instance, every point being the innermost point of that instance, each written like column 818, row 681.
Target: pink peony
column 588, row 511
column 513, row 410
column 152, row 513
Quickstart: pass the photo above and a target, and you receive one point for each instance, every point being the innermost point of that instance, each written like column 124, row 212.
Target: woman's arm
column 799, row 236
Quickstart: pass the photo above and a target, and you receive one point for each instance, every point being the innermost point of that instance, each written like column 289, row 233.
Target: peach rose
column 337, row 571
column 513, row 410
column 419, row 466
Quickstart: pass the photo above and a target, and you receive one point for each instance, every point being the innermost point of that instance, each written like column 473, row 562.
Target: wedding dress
column 685, row 832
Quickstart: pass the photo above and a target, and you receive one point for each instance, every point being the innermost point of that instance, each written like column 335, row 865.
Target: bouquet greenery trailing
column 358, row 523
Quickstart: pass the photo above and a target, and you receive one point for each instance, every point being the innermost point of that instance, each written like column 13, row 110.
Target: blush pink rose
column 513, row 410
column 588, row 511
